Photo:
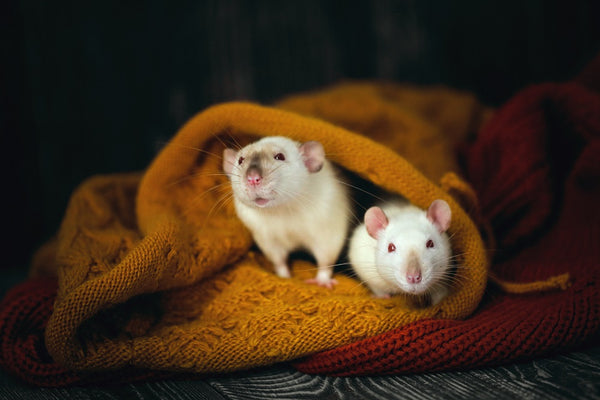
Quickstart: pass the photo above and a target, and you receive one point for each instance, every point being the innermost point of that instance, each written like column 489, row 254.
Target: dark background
column 91, row 87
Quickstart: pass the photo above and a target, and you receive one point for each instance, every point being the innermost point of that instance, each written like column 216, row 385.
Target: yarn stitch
column 157, row 272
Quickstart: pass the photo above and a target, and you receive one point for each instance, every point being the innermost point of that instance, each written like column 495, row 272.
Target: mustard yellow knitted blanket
column 156, row 271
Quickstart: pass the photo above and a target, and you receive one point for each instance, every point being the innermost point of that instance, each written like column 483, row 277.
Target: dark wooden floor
column 572, row 376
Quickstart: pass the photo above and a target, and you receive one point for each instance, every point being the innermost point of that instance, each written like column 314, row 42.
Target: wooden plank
column 571, row 376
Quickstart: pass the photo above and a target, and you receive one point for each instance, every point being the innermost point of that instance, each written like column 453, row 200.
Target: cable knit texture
column 156, row 271
column 536, row 167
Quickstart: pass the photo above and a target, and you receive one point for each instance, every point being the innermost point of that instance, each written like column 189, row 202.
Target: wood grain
column 572, row 376
column 575, row 376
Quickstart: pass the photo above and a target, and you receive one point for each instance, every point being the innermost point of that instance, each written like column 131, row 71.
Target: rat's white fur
column 305, row 210
column 409, row 229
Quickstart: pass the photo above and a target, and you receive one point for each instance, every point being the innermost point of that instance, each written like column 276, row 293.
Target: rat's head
column 273, row 170
column 413, row 250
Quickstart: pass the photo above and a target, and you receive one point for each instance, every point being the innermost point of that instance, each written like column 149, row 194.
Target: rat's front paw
column 282, row 271
column 329, row 283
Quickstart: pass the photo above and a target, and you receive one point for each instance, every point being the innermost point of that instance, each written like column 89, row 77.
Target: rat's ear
column 313, row 155
column 439, row 214
column 229, row 160
column 375, row 221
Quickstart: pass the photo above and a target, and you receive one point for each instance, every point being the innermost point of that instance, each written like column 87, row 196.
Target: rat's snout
column 254, row 173
column 253, row 177
column 413, row 269
column 413, row 276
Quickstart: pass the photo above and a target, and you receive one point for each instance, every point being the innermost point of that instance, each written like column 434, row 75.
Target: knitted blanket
column 156, row 273
column 155, row 270
column 536, row 169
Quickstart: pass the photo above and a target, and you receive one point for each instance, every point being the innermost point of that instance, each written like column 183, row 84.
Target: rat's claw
column 329, row 284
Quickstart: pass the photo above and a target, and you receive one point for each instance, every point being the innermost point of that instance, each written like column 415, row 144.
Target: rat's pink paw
column 329, row 284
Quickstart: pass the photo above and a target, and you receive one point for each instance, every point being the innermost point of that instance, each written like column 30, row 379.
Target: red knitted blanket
column 536, row 169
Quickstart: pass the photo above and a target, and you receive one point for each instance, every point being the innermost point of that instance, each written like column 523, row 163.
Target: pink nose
column 413, row 277
column 253, row 178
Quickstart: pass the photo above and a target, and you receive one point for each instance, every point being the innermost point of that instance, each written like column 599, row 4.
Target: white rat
column 401, row 248
column 289, row 197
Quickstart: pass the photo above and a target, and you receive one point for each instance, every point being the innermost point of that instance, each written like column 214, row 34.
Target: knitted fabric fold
column 156, row 272
column 535, row 174
column 536, row 168
column 24, row 314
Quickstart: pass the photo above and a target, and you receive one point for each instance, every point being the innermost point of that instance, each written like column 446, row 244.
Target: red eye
column 391, row 247
column 280, row 157
column 430, row 244
column 240, row 160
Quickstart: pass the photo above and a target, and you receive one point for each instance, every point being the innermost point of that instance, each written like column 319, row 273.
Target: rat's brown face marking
column 267, row 173
column 273, row 171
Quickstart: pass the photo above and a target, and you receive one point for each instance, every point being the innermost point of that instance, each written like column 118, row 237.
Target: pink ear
column 229, row 160
column 375, row 221
column 439, row 214
column 313, row 155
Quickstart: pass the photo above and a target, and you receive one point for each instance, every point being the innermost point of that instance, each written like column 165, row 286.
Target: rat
column 402, row 249
column 289, row 196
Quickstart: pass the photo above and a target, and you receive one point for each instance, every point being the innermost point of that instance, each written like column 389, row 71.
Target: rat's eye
column 240, row 160
column 430, row 244
column 391, row 248
column 279, row 156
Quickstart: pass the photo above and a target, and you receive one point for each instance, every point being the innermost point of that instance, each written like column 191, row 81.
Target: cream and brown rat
column 289, row 196
column 402, row 249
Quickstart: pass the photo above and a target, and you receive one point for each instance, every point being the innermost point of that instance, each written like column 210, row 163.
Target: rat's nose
column 253, row 178
column 413, row 269
column 413, row 276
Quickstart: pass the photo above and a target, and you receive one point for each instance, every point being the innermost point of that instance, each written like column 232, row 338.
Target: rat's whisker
column 192, row 207
column 360, row 189
column 219, row 204
column 197, row 149
column 193, row 176
column 233, row 139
